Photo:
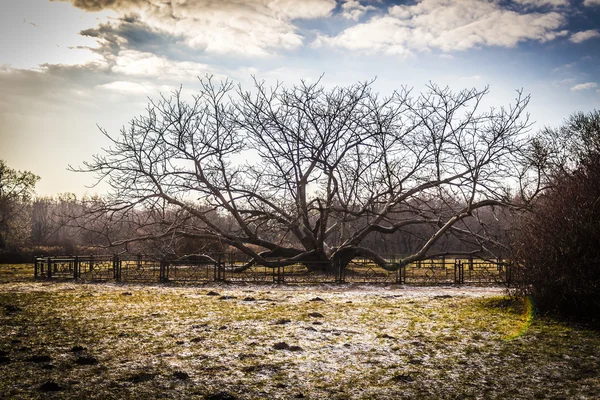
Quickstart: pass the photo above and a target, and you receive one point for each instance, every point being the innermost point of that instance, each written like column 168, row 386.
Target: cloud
column 98, row 5
column 304, row 9
column 543, row 3
column 225, row 27
column 129, row 72
column 127, row 87
column 291, row 9
column 132, row 64
column 30, row 93
column 131, row 33
column 447, row 25
column 584, row 35
column 471, row 78
column 565, row 67
column 352, row 9
column 591, row 3
column 584, row 86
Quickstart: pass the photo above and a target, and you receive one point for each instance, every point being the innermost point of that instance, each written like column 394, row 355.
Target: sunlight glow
column 522, row 326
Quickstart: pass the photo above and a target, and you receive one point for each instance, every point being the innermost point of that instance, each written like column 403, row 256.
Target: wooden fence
column 224, row 268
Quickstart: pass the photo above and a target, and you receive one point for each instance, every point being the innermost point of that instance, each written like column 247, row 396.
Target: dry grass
column 341, row 342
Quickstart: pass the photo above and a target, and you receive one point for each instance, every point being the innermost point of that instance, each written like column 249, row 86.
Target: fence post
column 472, row 274
column 342, row 272
column 218, row 274
column 275, row 272
column 459, row 272
column 219, row 268
column 456, row 262
column 49, row 267
column 117, row 268
column 164, row 271
column 35, row 268
column 222, row 267
column 76, row 268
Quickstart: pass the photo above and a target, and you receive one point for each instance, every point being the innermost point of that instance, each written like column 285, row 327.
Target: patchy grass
column 107, row 341
column 16, row 273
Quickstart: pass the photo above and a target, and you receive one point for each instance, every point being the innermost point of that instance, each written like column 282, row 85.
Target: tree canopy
column 307, row 174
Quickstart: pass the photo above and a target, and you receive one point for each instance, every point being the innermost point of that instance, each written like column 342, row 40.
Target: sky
column 69, row 67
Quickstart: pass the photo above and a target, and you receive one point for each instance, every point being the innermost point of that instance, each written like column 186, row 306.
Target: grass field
column 108, row 341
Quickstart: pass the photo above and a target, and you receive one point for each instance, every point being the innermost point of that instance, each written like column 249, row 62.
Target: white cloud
column 248, row 28
column 127, row 87
column 447, row 25
column 584, row 86
column 543, row 3
column 584, row 35
column 133, row 64
column 471, row 78
column 354, row 10
column 226, row 28
column 308, row 9
column 383, row 34
column 564, row 67
column 591, row 3
column 566, row 81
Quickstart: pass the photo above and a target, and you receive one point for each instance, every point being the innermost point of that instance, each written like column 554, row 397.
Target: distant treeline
column 64, row 224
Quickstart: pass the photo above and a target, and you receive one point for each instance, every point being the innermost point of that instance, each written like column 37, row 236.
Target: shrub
column 558, row 244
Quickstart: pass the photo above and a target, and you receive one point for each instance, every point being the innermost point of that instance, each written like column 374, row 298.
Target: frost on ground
column 64, row 340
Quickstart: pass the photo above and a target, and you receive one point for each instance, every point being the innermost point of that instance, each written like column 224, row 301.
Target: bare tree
column 16, row 191
column 305, row 174
column 50, row 222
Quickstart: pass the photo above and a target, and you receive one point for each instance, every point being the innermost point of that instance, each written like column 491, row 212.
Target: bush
column 558, row 244
column 11, row 257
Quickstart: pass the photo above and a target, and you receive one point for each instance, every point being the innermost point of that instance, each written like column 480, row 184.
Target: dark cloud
column 130, row 33
column 98, row 5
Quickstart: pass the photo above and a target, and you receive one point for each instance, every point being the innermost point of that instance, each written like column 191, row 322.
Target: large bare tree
column 307, row 174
